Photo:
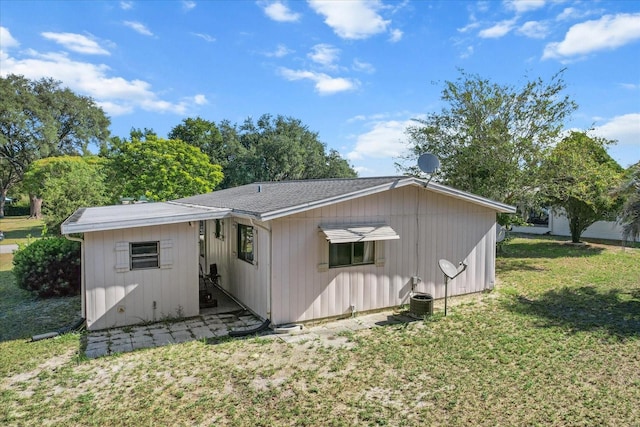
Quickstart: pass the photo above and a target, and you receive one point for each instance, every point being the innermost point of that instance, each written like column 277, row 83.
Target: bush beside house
column 49, row 267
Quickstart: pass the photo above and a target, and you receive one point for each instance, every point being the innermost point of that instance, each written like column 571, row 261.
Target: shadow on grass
column 584, row 309
column 504, row 265
column 547, row 249
column 23, row 315
column 22, row 228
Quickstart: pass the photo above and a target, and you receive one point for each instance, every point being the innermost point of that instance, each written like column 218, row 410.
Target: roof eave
column 438, row 188
column 470, row 197
column 73, row 228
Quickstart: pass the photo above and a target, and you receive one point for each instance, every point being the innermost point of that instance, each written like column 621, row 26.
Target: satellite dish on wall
column 428, row 163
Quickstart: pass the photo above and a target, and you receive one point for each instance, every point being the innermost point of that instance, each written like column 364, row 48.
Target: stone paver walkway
column 121, row 340
column 211, row 326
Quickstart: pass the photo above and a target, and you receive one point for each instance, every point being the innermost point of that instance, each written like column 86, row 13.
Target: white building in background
column 558, row 225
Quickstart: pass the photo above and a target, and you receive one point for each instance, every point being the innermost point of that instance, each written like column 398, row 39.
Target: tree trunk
column 576, row 232
column 3, row 194
column 35, row 207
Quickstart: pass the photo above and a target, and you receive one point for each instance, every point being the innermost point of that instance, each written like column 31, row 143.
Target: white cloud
column 200, row 99
column 362, row 66
column 608, row 32
column 6, row 39
column 278, row 11
column 385, row 139
column 126, row 5
column 356, row 19
column 205, row 37
column 114, row 109
column 396, row 36
column 280, row 52
column 188, row 5
column 467, row 52
column 630, row 86
column 362, row 170
column 77, row 43
column 625, row 129
column 138, row 27
column 500, row 29
column 534, row 29
column 116, row 95
column 357, row 118
column 324, row 54
column 567, row 13
column 571, row 13
column 324, row 84
column 521, row 6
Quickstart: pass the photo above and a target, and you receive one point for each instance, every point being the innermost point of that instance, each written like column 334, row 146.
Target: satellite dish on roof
column 428, row 163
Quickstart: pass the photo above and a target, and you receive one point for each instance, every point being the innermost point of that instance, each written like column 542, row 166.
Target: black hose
column 253, row 331
column 73, row 327
column 76, row 326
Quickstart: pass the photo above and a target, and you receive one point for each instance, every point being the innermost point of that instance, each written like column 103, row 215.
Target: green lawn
column 556, row 343
column 18, row 229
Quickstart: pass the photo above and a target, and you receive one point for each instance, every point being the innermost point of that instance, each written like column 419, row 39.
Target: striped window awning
column 358, row 233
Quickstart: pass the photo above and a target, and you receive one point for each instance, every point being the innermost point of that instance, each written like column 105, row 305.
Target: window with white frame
column 352, row 253
column 246, row 243
column 143, row 255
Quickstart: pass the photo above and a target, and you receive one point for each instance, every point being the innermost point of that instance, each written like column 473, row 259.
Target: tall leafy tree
column 580, row 178
column 203, row 134
column 491, row 138
column 270, row 149
column 40, row 119
column 65, row 184
column 630, row 214
column 160, row 169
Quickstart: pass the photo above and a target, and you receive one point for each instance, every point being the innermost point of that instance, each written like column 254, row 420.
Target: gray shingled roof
column 268, row 200
column 265, row 197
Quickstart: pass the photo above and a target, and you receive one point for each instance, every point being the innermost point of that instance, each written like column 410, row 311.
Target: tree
column 160, row 169
column 579, row 181
column 41, row 119
column 271, row 149
column 205, row 135
column 65, row 184
column 491, row 138
column 630, row 214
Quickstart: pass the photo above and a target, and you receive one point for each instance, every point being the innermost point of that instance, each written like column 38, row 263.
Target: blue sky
column 356, row 72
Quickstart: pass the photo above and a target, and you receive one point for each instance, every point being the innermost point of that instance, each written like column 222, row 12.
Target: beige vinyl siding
column 430, row 226
column 116, row 298
column 249, row 283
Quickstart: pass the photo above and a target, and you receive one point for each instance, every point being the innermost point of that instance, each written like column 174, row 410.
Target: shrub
column 13, row 210
column 48, row 267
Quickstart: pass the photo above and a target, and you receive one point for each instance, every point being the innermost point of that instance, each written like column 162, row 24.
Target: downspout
column 83, row 297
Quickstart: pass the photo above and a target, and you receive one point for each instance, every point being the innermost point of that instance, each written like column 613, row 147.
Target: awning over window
column 358, row 233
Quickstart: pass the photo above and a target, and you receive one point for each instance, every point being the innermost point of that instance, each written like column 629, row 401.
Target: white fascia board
column 469, row 197
column 120, row 222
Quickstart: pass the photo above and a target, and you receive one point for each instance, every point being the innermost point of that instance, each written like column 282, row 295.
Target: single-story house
column 290, row 251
